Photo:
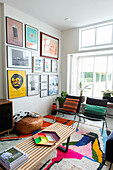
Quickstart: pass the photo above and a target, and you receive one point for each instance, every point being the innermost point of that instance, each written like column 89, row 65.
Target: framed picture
column 54, row 66
column 14, row 32
column 53, row 84
column 31, row 37
column 19, row 58
column 43, row 93
column 49, row 46
column 16, row 84
column 37, row 65
column 32, row 84
column 47, row 65
column 43, row 78
column 43, row 86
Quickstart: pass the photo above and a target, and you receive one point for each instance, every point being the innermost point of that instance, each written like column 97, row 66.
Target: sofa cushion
column 70, row 105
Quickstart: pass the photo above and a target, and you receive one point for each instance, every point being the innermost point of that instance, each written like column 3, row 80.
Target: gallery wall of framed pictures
column 29, row 75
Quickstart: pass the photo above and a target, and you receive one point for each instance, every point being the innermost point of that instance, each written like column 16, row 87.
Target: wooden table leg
column 67, row 145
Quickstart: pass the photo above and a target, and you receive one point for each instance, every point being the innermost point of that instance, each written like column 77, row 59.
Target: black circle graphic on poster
column 16, row 81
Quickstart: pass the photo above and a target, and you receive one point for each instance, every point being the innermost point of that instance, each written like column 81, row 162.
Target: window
column 97, row 71
column 96, row 37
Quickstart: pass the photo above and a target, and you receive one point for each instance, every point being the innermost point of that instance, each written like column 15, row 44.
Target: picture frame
column 49, row 46
column 14, row 32
column 54, row 66
column 53, row 85
column 43, row 86
column 47, row 65
column 37, row 65
column 16, row 83
column 43, row 78
column 43, row 93
column 31, row 37
column 19, row 57
column 32, row 84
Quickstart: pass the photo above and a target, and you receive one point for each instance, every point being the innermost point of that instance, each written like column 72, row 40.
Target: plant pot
column 83, row 99
column 61, row 105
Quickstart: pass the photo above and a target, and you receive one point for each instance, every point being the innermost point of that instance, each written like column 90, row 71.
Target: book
column 12, row 158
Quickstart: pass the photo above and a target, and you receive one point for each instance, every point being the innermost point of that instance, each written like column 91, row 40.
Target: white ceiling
column 53, row 12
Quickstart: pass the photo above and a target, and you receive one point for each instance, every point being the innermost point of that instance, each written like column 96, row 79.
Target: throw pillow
column 95, row 111
column 70, row 105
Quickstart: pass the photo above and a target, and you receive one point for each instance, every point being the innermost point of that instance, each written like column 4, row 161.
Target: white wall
column 70, row 44
column 32, row 103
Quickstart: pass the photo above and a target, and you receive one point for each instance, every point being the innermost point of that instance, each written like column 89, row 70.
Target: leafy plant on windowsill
column 107, row 93
column 81, row 88
column 61, row 98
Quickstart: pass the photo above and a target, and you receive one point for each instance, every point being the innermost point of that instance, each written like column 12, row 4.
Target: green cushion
column 95, row 111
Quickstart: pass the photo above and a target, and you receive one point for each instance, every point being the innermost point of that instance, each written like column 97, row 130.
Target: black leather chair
column 67, row 112
column 98, row 102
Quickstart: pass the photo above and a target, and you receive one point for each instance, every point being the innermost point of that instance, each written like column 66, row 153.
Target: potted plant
column 61, row 98
column 108, row 95
column 81, row 88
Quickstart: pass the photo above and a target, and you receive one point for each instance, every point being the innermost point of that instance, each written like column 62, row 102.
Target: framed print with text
column 19, row 57
column 14, row 32
column 32, row 84
column 31, row 38
column 16, row 84
column 49, row 46
column 53, row 84
column 37, row 65
column 47, row 65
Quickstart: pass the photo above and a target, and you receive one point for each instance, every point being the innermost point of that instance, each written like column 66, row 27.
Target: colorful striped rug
column 14, row 135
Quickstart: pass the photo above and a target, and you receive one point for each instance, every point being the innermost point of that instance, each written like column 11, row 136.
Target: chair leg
column 106, row 123
column 78, row 124
column 55, row 117
column 102, row 128
column 74, row 120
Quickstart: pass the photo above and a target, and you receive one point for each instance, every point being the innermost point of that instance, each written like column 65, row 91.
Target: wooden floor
column 37, row 153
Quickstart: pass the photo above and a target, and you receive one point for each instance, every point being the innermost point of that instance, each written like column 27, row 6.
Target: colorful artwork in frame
column 37, row 65
column 19, row 57
column 47, row 65
column 49, row 46
column 31, row 37
column 32, row 84
column 54, row 66
column 53, row 84
column 16, row 84
column 14, row 32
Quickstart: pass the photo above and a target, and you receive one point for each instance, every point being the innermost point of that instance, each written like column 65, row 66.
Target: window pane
column 110, row 66
column 100, row 72
column 88, row 38
column 104, row 35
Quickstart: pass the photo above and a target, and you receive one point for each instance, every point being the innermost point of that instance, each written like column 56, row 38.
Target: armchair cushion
column 70, row 105
column 95, row 111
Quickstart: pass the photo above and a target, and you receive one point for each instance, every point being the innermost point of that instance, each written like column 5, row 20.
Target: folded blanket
column 18, row 116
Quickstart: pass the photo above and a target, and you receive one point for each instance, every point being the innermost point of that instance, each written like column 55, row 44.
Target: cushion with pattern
column 70, row 105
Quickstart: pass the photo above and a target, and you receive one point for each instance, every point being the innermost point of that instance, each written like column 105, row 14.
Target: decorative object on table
column 81, row 88
column 54, row 66
column 29, row 124
column 31, row 38
column 32, row 84
column 14, row 32
column 37, row 65
column 19, row 58
column 47, row 65
column 61, row 99
column 12, row 158
column 53, row 84
column 16, row 83
column 46, row 138
column 49, row 46
column 54, row 107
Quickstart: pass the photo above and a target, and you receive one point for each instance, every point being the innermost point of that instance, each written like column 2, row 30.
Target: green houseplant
column 61, row 98
column 81, row 88
column 107, row 93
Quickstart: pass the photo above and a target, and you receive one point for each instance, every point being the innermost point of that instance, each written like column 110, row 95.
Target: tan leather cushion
column 29, row 124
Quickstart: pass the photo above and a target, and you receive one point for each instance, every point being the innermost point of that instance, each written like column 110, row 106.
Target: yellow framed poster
column 16, row 83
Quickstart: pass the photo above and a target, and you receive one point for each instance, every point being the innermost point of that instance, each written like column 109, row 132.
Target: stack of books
column 12, row 158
